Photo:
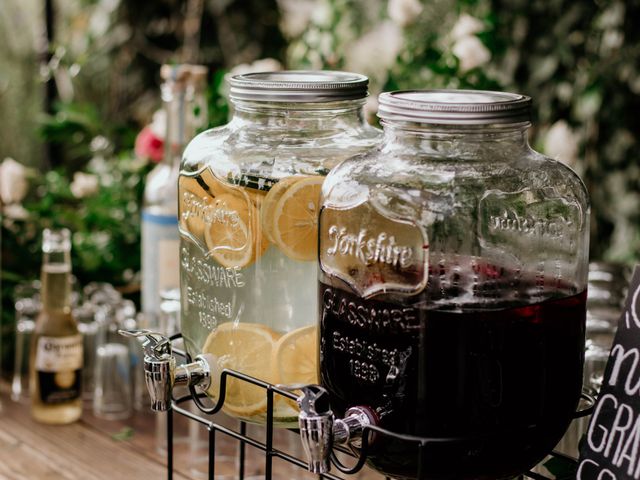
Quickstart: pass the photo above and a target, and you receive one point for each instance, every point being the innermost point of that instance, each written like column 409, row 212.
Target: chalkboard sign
column 611, row 448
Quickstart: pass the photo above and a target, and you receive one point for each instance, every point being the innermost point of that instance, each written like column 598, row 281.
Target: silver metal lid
column 298, row 86
column 454, row 107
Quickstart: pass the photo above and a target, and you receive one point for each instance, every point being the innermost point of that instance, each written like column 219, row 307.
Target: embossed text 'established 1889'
column 369, row 249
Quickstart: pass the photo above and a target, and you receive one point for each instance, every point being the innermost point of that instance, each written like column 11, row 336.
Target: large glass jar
column 249, row 197
column 453, row 284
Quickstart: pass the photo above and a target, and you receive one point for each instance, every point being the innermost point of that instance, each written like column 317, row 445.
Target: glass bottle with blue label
column 453, row 285
column 185, row 113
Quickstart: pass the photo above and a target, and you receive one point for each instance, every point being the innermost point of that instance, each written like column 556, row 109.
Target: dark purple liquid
column 505, row 380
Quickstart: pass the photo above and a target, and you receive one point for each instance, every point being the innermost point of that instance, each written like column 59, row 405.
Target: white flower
column 471, row 52
column 262, row 65
column 321, row 15
column 561, row 143
column 404, row 12
column 15, row 212
column 375, row 52
column 158, row 124
column 84, row 184
column 295, row 16
column 13, row 181
column 466, row 26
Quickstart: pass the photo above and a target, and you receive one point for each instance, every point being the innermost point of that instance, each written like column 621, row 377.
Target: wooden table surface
column 98, row 449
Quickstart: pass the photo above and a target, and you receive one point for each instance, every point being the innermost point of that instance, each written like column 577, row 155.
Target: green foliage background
column 579, row 61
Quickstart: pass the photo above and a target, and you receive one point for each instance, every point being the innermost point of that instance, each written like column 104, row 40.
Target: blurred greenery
column 579, row 61
column 105, row 64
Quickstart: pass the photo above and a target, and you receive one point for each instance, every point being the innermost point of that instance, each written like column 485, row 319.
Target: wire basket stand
column 267, row 446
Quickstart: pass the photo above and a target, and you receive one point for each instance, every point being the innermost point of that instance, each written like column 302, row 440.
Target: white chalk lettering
column 622, row 422
column 619, row 355
column 595, row 424
column 630, row 450
column 583, row 464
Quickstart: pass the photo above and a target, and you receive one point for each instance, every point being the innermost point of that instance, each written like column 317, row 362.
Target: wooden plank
column 87, row 450
column 19, row 461
column 32, row 451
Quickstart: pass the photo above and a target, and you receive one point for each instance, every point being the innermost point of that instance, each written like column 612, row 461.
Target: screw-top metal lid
column 298, row 86
column 454, row 107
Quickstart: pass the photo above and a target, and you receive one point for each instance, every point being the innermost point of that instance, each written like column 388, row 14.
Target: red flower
column 149, row 146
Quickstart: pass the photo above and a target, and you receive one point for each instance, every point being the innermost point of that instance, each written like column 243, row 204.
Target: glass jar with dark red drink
column 452, row 289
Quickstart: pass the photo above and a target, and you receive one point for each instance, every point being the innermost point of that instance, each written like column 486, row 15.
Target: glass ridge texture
column 248, row 205
column 452, row 291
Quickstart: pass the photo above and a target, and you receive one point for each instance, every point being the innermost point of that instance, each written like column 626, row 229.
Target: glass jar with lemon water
column 249, row 197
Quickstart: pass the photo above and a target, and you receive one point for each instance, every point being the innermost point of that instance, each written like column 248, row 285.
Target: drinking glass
column 168, row 324
column 112, row 395
column 89, row 327
column 27, row 307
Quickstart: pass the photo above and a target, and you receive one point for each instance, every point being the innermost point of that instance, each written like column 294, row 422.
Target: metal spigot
column 160, row 371
column 320, row 430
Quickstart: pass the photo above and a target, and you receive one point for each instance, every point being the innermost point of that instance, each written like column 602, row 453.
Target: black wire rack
column 268, row 448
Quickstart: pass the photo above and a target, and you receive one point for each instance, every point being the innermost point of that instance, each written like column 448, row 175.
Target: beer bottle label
column 58, row 366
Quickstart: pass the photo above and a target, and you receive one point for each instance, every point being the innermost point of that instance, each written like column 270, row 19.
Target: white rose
column 13, row 181
column 471, row 52
column 561, row 143
column 295, row 16
column 375, row 52
column 404, row 12
column 466, row 26
column 321, row 15
column 158, row 124
column 84, row 184
column 15, row 212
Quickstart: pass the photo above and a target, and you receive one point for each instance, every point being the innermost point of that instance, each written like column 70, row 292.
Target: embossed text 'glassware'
column 248, row 207
column 452, row 286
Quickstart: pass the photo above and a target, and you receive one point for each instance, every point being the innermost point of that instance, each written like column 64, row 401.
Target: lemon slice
column 295, row 225
column 295, row 356
column 268, row 207
column 233, row 237
column 246, row 348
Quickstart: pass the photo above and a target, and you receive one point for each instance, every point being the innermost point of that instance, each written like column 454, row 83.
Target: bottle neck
column 56, row 281
column 329, row 116
column 468, row 142
column 185, row 110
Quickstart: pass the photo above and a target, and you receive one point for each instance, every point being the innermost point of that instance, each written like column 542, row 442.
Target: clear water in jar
column 249, row 273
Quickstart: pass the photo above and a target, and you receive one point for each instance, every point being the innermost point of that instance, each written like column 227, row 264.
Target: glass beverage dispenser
column 248, row 205
column 452, row 290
